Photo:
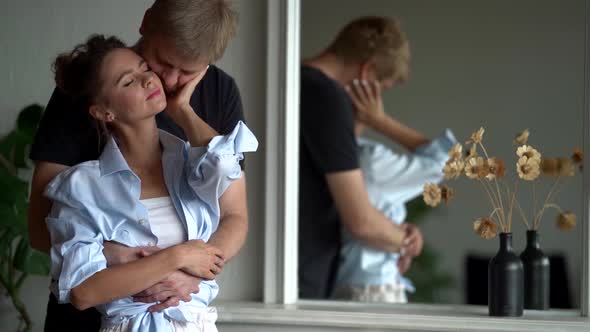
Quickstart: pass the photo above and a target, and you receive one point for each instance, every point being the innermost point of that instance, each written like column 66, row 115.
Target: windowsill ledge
column 414, row 317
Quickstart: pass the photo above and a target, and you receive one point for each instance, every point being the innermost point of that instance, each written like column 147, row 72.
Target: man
column 179, row 39
column 332, row 192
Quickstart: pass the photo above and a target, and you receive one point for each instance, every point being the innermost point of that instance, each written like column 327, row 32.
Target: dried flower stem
column 522, row 215
column 506, row 224
column 547, row 206
column 512, row 200
column 495, row 204
column 496, row 213
column 539, row 215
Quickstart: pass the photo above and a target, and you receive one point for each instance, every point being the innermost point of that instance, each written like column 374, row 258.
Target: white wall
column 504, row 65
column 33, row 32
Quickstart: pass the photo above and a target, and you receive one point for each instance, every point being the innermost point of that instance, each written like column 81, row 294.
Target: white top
column 164, row 221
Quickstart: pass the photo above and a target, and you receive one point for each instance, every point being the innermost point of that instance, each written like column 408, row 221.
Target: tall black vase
column 505, row 281
column 536, row 274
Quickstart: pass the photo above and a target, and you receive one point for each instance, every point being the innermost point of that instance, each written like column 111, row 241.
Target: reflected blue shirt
column 391, row 180
column 98, row 201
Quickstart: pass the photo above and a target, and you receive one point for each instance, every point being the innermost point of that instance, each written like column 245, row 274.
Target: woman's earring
column 110, row 117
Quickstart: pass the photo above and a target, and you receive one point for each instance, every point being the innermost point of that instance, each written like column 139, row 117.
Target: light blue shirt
column 98, row 201
column 392, row 180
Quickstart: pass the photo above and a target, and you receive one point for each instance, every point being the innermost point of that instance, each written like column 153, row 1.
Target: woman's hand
column 201, row 259
column 178, row 105
column 404, row 263
column 413, row 241
column 366, row 98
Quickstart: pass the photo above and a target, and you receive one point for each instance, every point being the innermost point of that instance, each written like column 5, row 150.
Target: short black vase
column 505, row 281
column 536, row 274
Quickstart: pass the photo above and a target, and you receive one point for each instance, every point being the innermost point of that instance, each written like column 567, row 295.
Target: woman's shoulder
column 74, row 179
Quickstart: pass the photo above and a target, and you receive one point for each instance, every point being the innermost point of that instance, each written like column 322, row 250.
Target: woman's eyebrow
column 127, row 72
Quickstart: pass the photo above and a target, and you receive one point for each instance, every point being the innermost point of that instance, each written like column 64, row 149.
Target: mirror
column 505, row 66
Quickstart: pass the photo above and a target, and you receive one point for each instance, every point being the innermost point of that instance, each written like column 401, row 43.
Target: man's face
column 174, row 71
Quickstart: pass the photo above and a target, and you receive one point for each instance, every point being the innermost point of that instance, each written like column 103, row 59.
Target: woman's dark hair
column 77, row 72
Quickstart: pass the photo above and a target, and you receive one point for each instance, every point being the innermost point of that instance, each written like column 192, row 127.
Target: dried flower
column 566, row 221
column 475, row 168
column 456, row 152
column 431, row 194
column 529, row 152
column 549, row 166
column 472, row 152
column 496, row 168
column 453, row 168
column 578, row 158
column 522, row 138
column 557, row 167
column 485, row 228
column 528, row 169
column 477, row 136
column 566, row 167
column 446, row 193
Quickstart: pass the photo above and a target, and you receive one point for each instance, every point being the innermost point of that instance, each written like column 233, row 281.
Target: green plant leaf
column 6, row 240
column 29, row 260
column 13, row 191
column 28, row 120
column 14, row 147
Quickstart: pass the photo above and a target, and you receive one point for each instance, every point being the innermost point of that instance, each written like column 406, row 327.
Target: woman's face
column 129, row 89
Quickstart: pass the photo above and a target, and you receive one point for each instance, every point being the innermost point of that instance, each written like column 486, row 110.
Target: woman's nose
column 148, row 80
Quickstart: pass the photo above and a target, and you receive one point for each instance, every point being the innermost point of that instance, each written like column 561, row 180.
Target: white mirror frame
column 281, row 305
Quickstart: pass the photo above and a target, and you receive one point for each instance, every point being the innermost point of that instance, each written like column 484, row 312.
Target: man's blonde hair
column 378, row 40
column 198, row 29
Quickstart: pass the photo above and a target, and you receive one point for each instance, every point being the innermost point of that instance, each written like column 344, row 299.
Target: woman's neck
column 140, row 145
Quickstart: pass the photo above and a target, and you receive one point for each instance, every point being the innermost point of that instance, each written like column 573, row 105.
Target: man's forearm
column 380, row 233
column 233, row 224
column 231, row 235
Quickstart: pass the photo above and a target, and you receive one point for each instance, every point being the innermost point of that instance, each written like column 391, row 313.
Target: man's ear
column 146, row 17
column 365, row 70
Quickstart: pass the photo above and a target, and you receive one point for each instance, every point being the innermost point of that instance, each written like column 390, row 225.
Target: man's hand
column 177, row 287
column 178, row 105
column 366, row 98
column 116, row 253
column 413, row 241
column 404, row 263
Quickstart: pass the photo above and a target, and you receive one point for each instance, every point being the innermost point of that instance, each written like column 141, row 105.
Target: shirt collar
column 112, row 160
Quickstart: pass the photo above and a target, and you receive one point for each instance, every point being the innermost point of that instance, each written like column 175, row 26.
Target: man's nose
column 170, row 78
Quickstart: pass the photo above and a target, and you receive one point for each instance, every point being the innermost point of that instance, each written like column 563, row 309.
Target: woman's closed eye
column 129, row 83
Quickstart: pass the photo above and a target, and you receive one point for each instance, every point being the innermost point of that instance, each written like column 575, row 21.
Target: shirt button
column 142, row 222
column 151, row 243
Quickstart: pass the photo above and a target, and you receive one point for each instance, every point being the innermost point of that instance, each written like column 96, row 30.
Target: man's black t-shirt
column 67, row 135
column 327, row 145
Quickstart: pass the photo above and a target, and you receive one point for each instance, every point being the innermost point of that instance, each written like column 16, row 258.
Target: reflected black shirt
column 327, row 145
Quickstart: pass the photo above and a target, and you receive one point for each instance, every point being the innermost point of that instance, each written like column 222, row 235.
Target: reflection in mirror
column 502, row 65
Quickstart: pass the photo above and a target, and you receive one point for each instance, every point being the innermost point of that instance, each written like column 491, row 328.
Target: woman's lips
column 154, row 93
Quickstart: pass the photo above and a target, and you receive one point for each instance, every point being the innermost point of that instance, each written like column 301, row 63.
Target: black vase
column 505, row 281
column 536, row 274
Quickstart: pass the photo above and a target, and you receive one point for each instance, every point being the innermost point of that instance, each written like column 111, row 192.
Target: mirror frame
column 282, row 157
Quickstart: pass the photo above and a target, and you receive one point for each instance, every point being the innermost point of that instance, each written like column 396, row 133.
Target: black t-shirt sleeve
column 66, row 135
column 233, row 109
column 327, row 127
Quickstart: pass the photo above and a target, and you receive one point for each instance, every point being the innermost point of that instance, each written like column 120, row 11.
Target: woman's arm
column 178, row 107
column 194, row 257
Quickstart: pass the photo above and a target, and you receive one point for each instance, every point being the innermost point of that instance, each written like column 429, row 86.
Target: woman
column 147, row 188
column 392, row 179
